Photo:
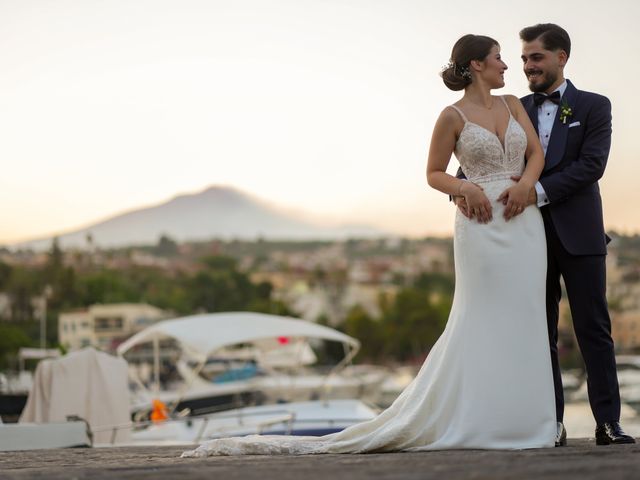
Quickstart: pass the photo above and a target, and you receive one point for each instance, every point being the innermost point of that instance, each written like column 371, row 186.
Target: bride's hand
column 515, row 199
column 478, row 205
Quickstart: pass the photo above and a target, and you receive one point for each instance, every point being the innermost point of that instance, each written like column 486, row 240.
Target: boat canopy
column 205, row 333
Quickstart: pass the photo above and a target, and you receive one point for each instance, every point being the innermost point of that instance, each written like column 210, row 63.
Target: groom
column 574, row 128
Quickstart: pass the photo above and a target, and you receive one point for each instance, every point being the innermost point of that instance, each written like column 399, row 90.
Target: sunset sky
column 322, row 105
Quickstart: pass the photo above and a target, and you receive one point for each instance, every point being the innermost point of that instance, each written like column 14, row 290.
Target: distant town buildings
column 328, row 281
column 626, row 330
column 623, row 293
column 316, row 280
column 105, row 326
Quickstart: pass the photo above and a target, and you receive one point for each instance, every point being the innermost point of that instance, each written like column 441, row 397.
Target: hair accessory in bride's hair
column 464, row 72
column 447, row 66
column 459, row 70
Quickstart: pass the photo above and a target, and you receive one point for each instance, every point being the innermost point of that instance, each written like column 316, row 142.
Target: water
column 579, row 422
column 578, row 418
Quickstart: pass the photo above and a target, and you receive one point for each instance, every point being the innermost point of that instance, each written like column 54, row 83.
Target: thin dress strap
column 506, row 105
column 460, row 112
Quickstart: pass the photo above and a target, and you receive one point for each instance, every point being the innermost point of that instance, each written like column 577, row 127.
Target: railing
column 282, row 417
column 278, row 417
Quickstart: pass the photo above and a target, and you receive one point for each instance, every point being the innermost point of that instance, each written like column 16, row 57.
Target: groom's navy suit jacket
column 575, row 160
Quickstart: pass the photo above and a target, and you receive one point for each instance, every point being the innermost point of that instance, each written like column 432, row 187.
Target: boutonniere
column 565, row 111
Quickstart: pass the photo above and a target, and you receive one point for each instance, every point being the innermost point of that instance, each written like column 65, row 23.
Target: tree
column 166, row 247
column 359, row 324
column 5, row 275
column 412, row 324
column 21, row 287
column 55, row 260
column 11, row 339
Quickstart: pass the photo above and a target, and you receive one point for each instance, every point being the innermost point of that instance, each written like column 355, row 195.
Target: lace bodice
column 481, row 154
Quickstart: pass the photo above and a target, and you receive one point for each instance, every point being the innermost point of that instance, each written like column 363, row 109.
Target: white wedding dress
column 487, row 381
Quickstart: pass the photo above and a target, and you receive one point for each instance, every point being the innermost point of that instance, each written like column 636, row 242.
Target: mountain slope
column 217, row 212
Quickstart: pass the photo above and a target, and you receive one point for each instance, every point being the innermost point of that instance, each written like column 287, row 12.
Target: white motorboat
column 92, row 386
column 14, row 387
column 238, row 359
column 35, row 436
column 354, row 381
column 628, row 370
column 70, row 398
column 394, row 385
column 296, row 418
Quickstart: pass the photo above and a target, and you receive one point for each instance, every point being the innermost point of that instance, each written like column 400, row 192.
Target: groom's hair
column 552, row 36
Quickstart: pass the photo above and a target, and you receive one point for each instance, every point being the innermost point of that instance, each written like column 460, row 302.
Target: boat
column 629, row 380
column 242, row 352
column 313, row 418
column 628, row 370
column 394, row 384
column 36, row 436
column 14, row 387
column 71, row 399
column 93, row 386
column 240, row 359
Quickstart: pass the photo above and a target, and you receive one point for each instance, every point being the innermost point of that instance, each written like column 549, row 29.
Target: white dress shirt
column 546, row 116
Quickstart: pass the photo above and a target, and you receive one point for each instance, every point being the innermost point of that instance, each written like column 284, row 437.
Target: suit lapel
column 532, row 110
column 559, row 131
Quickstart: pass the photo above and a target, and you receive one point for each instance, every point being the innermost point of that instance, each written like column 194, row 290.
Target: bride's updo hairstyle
column 457, row 73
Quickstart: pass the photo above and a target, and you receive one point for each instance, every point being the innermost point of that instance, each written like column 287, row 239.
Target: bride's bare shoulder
column 513, row 101
column 450, row 116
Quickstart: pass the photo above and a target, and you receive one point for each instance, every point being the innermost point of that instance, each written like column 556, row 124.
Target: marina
column 239, row 373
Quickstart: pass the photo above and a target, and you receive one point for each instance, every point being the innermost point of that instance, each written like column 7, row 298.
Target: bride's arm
column 443, row 142
column 516, row 198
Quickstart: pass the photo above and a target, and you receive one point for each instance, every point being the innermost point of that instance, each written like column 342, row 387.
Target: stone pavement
column 580, row 460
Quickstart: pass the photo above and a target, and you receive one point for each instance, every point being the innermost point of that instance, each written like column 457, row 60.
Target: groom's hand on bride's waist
column 516, row 199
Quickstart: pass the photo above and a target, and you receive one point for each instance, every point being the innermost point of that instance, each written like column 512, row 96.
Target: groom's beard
column 546, row 80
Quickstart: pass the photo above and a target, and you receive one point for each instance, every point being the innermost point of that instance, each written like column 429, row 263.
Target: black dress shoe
column 561, row 435
column 611, row 433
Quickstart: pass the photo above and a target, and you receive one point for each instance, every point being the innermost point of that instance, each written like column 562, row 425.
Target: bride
column 487, row 381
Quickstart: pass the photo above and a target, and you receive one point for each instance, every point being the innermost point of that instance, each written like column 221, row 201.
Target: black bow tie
column 539, row 98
